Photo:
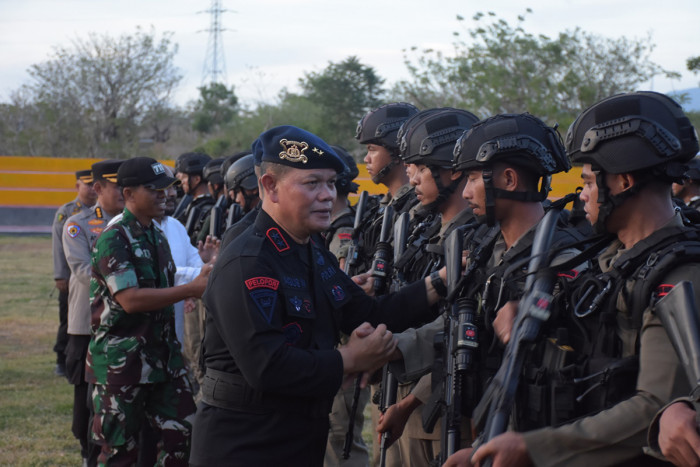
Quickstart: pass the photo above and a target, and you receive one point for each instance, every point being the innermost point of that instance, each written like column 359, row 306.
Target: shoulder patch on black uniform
column 262, row 282
column 277, row 239
column 265, row 300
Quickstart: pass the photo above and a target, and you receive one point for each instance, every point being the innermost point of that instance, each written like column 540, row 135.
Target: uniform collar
column 276, row 235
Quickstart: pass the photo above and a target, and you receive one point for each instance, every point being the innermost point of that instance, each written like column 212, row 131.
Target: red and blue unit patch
column 262, row 282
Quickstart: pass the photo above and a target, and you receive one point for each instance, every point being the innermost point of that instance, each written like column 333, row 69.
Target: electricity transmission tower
column 214, row 69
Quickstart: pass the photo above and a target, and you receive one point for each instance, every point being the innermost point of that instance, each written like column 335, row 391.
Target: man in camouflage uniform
column 61, row 272
column 81, row 232
column 134, row 358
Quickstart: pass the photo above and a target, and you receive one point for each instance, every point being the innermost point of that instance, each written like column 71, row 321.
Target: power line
column 214, row 68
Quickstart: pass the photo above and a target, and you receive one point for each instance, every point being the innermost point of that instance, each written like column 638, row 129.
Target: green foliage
column 343, row 92
column 91, row 99
column 502, row 68
column 216, row 106
column 693, row 64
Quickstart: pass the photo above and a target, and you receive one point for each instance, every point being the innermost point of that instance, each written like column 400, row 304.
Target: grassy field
column 35, row 405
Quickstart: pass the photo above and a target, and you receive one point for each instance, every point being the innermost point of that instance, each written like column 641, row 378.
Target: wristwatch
column 438, row 284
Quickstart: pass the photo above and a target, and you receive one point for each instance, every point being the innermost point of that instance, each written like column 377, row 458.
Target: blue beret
column 292, row 146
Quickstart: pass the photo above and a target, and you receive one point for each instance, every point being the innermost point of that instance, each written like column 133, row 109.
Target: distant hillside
column 693, row 96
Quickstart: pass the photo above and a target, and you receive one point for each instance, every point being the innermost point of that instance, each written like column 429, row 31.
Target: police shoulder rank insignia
column 98, row 212
column 72, row 230
column 263, row 293
column 277, row 239
column 61, row 217
column 294, row 151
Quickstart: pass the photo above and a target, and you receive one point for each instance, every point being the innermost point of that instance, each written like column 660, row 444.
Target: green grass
column 35, row 405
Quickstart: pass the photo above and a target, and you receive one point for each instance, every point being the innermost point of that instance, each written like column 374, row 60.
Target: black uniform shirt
column 275, row 309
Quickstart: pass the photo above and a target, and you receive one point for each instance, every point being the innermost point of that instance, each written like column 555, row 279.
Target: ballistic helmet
column 212, row 171
column 241, row 174
column 633, row 131
column 379, row 126
column 191, row 163
column 344, row 181
column 519, row 139
column 429, row 137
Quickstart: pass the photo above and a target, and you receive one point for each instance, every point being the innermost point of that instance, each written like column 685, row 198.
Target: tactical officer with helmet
column 689, row 190
column 242, row 183
column 189, row 169
column 377, row 130
column 277, row 302
column 427, row 141
column 632, row 146
column 215, row 184
column 505, row 188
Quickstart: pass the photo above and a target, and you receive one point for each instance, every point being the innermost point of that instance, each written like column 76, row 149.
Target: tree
column 216, row 106
column 101, row 88
column 505, row 69
column 343, row 92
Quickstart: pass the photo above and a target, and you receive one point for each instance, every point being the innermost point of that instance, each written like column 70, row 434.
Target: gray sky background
column 269, row 44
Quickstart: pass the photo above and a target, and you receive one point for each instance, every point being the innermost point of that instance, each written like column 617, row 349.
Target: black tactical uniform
column 275, row 312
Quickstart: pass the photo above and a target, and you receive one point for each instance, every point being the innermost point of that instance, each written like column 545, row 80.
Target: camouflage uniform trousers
column 120, row 412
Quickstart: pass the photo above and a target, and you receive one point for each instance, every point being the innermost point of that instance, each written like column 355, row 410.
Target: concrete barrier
column 32, row 188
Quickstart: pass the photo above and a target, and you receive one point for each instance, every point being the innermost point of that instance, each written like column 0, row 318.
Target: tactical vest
column 581, row 369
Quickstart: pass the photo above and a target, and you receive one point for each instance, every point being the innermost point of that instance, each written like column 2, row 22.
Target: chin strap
column 379, row 176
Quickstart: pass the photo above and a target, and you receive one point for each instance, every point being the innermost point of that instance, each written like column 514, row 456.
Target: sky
column 270, row 44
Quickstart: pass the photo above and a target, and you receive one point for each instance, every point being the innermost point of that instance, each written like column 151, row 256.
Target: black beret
column 294, row 147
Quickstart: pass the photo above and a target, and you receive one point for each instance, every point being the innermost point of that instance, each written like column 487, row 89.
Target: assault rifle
column 493, row 411
column 350, row 263
column 459, row 340
column 354, row 250
column 182, row 206
column 388, row 398
column 400, row 239
column 381, row 264
column 216, row 223
column 192, row 219
column 679, row 314
column 235, row 213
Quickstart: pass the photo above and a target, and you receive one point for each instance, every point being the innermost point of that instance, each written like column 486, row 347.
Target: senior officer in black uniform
column 276, row 303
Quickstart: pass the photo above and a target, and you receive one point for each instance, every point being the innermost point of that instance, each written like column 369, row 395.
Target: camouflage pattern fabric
column 121, row 411
column 133, row 348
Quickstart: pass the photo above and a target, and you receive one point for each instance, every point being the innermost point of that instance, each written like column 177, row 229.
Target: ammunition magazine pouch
column 232, row 392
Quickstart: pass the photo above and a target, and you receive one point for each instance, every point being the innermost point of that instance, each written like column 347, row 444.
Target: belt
column 232, row 392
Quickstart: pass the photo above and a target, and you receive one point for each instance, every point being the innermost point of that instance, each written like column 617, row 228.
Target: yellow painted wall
column 50, row 181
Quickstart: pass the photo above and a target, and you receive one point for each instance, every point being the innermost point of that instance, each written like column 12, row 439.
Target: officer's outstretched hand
column 461, row 458
column 363, row 280
column 200, row 282
column 209, row 248
column 367, row 350
column 678, row 435
column 506, row 450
